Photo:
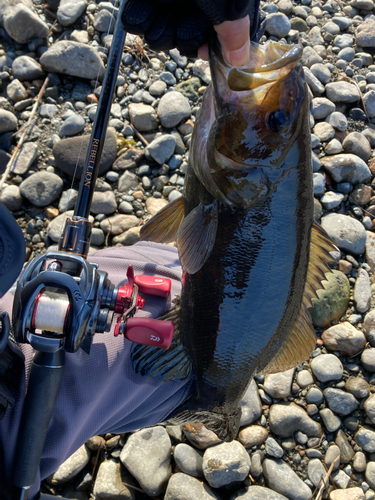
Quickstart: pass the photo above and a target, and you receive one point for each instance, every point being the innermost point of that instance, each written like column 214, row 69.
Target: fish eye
column 278, row 121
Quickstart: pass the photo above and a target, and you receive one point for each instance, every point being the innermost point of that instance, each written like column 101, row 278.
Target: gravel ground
column 294, row 424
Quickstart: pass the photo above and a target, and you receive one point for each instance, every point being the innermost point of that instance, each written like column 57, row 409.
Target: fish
column 251, row 253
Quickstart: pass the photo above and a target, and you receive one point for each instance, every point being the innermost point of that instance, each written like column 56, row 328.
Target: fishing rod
column 61, row 299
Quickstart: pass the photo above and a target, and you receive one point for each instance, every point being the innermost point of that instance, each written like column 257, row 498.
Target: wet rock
column 348, row 233
column 22, row 24
column 71, row 467
column 199, row 436
column 146, row 455
column 184, row 487
column 252, row 436
column 340, row 402
column 119, row 224
column 74, row 59
column 344, row 338
column 285, row 420
column 278, row 385
column 173, row 109
column 362, row 291
column 72, row 151
column 333, row 299
column 282, row 479
column 109, row 482
column 327, row 367
column 225, row 463
column 41, row 188
column 189, row 460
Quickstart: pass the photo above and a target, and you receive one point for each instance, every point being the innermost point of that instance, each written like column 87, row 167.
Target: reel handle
column 150, row 331
column 153, row 285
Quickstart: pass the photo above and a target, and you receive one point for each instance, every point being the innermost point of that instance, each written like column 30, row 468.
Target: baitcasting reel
column 53, row 304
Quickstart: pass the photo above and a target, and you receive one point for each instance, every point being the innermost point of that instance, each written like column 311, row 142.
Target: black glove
column 166, row 24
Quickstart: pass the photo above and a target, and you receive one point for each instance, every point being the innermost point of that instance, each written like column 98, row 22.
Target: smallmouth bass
column 251, row 254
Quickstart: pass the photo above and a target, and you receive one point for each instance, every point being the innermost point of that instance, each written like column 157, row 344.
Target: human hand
column 234, row 37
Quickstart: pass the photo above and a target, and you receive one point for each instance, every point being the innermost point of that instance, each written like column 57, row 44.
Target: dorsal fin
column 163, row 226
column 196, row 236
column 301, row 342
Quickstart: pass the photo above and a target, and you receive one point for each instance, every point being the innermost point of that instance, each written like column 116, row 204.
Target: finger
column 203, row 52
column 234, row 37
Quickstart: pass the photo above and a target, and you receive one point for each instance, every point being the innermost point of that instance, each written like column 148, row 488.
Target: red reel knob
column 150, row 331
column 153, row 285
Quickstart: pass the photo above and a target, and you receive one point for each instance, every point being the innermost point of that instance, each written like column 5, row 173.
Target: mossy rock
column 333, row 299
column 189, row 88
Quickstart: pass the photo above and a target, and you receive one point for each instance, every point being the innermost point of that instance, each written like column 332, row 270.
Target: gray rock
column 189, row 460
column 26, row 68
column 370, row 250
column 316, row 472
column 370, row 474
column 369, row 327
column 257, row 492
column 22, row 24
column 202, row 70
column 71, row 467
column 273, row 449
column 365, row 34
column 147, row 456
column 347, row 233
column 331, row 455
column 25, row 158
column 333, row 147
column 97, row 237
column 199, row 436
column 285, row 420
column 282, row 479
column 369, row 133
column 252, row 436
column 346, row 168
column 331, row 200
column 5, row 4
column 157, row 88
column 315, row 85
column 277, row 24
column 359, row 462
column 167, row 78
column 225, row 463
column 180, row 60
column 278, row 385
column 162, row 148
column 70, row 10
column 183, row 487
column 80, row 36
column 129, row 237
column 41, row 188
column 128, row 181
column 344, row 338
column 342, row 41
column 357, row 144
column 319, row 183
column 119, row 223
column 304, row 379
column 321, row 107
column 68, row 200
column 365, row 438
column 48, row 110
column 315, row 37
column 11, row 197
column 143, row 117
column 251, row 406
column 330, row 420
column 340, row 402
column 369, row 103
column 74, row 59
column 324, row 131
column 71, row 153
column 173, row 109
column 358, row 387
column 72, row 126
column 362, row 291
column 327, row 367
column 342, row 92
column 310, row 57
column 340, row 479
column 347, row 54
column 368, row 359
column 338, row 121
column 346, row 451
column 8, row 121
column 103, row 203
column 104, row 21
column 109, row 482
column 16, row 91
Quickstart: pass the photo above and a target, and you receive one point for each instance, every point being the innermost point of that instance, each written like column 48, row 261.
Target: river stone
column 358, row 387
column 103, row 202
column 333, row 299
column 68, row 151
column 5, row 4
column 346, row 451
column 16, row 91
column 273, row 449
column 357, row 144
column 8, row 121
column 11, row 197
column 251, row 406
column 310, row 57
column 285, row 420
column 72, row 125
column 346, row 167
column 369, row 327
column 189, row 88
column 365, row 438
column 370, row 474
column 128, row 181
column 277, row 24
column 189, row 460
column 69, row 11
column 365, row 33
column 281, row 478
column 340, row 402
column 56, row 225
column 162, row 148
column 252, row 436
column 345, row 338
column 257, row 492
column 278, row 385
column 348, row 233
column 147, row 456
column 330, row 420
column 345, row 92
column 119, row 223
column 26, row 68
column 316, row 472
column 370, row 250
column 332, row 454
column 129, row 237
column 143, row 117
column 71, row 467
column 359, row 462
column 327, row 367
column 173, row 109
column 225, row 463
column 41, row 188
column 368, row 359
column 74, row 59
column 153, row 205
column 369, row 406
column 109, row 482
column 304, row 379
column 199, row 436
column 22, row 24
column 26, row 156
column 362, row 291
column 183, row 487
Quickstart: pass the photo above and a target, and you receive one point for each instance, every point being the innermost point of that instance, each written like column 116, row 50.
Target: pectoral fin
column 163, row 226
column 301, row 342
column 196, row 236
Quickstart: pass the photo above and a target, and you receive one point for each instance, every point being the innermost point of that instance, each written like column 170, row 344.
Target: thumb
column 234, row 37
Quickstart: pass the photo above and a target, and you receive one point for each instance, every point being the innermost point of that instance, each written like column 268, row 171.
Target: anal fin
column 163, row 226
column 301, row 341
